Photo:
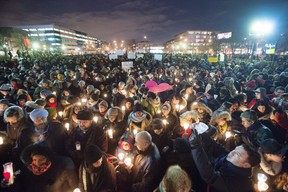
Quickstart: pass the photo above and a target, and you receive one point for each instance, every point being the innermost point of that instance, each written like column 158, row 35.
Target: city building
column 53, row 37
column 193, row 42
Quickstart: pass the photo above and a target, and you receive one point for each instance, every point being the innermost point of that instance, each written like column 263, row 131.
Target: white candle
column 177, row 106
column 110, row 133
column 121, row 156
column 262, row 177
column 8, row 168
column 165, row 122
column 78, row 146
column 95, row 119
column 181, row 107
column 123, row 108
column 79, row 103
column 77, row 190
column 105, row 95
column 67, row 126
column 262, row 186
column 228, row 134
column 128, row 161
column 83, row 100
column 159, row 111
column 1, row 141
column 135, row 131
column 54, row 93
column 186, row 125
column 186, row 96
column 60, row 113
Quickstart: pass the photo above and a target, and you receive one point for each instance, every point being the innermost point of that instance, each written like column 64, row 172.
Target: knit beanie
column 92, row 154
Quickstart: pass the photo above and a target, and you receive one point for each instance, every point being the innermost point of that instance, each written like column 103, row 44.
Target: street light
column 261, row 27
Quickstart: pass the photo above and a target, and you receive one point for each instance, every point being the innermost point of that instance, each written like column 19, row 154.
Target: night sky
column 159, row 20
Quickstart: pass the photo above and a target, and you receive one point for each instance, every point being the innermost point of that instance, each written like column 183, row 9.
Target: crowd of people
column 82, row 123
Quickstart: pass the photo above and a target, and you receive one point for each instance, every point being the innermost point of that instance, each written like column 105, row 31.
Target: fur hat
column 85, row 115
column 167, row 104
column 201, row 105
column 115, row 111
column 5, row 87
column 157, row 124
column 221, row 115
column 92, row 154
column 39, row 148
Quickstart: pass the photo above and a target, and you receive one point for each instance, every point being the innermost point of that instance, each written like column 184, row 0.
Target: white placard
column 131, row 55
column 127, row 65
column 119, row 52
column 113, row 56
column 140, row 55
column 158, row 57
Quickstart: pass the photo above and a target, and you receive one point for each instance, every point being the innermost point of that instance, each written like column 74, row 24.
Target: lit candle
column 77, row 190
column 67, row 126
column 262, row 177
column 95, row 119
column 186, row 96
column 121, row 156
column 135, row 131
column 181, row 107
column 228, row 134
column 186, row 125
column 1, row 140
column 177, row 106
column 83, row 100
column 262, row 186
column 165, row 122
column 105, row 95
column 8, row 172
column 79, row 103
column 110, row 133
column 128, row 161
column 124, row 92
column 78, row 146
column 123, row 108
column 54, row 92
column 60, row 113
column 158, row 111
column 190, row 79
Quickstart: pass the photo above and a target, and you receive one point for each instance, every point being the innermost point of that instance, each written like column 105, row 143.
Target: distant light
column 35, row 45
column 259, row 28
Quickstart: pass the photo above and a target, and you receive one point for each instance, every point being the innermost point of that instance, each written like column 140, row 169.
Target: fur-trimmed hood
column 11, row 110
column 220, row 115
column 187, row 116
column 203, row 106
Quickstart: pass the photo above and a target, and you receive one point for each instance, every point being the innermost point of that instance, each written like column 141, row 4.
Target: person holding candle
column 272, row 163
column 204, row 111
column 144, row 174
column 178, row 104
column 126, row 146
column 228, row 169
column 19, row 130
column 127, row 107
column 115, row 127
column 52, row 107
column 4, row 104
column 117, row 97
column 139, row 119
column 96, row 173
column 152, row 103
column 43, row 171
column 86, row 133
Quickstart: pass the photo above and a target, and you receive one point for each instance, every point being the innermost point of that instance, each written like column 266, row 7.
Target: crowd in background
column 180, row 124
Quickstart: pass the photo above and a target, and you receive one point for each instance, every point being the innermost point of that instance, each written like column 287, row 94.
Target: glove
column 195, row 139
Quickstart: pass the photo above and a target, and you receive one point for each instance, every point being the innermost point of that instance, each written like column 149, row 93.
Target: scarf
column 138, row 119
column 39, row 170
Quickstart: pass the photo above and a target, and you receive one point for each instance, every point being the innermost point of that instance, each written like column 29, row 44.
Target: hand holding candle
column 8, row 172
column 110, row 133
column 67, row 126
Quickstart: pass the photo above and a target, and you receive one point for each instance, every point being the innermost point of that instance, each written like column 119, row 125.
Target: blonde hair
column 281, row 180
column 176, row 179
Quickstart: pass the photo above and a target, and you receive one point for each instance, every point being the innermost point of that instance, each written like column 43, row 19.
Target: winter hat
column 85, row 115
column 104, row 103
column 137, row 107
column 45, row 92
column 92, row 154
column 249, row 115
column 4, row 101
column 181, row 145
column 39, row 148
column 167, row 104
column 94, row 96
column 36, row 113
column 127, row 137
column 199, row 83
column 157, row 124
column 261, row 90
column 40, row 102
column 5, row 87
column 112, row 111
column 151, row 95
column 271, row 146
column 72, row 99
